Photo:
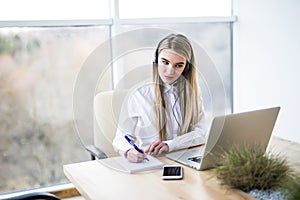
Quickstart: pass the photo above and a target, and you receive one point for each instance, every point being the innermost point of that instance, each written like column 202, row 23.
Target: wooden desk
column 96, row 181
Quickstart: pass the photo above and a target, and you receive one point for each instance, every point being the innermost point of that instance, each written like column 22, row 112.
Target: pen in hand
column 134, row 146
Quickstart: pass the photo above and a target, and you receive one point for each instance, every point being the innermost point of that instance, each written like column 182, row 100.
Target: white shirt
column 137, row 119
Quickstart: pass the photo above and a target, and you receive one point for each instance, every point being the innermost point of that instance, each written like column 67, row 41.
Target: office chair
column 107, row 107
column 35, row 196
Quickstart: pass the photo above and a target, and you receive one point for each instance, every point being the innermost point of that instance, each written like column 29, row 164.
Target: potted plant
column 262, row 175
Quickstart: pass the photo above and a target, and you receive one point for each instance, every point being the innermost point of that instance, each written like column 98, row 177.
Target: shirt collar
column 171, row 87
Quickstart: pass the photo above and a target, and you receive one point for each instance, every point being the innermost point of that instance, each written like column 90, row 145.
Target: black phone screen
column 172, row 171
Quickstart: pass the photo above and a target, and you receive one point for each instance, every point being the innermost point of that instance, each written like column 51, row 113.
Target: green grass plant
column 292, row 188
column 251, row 168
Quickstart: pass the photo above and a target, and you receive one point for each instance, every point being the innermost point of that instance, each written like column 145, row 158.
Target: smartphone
column 172, row 172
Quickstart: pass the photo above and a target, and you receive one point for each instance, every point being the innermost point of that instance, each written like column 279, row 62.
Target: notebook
column 252, row 128
column 120, row 163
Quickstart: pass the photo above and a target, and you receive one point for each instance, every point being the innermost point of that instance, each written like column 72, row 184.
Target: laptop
column 253, row 128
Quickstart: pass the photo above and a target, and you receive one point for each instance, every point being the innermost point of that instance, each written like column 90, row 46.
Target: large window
column 38, row 70
column 54, row 10
column 212, row 46
column 42, row 55
column 174, row 8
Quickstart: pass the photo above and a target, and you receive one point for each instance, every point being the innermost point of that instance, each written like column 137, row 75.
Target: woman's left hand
column 157, row 148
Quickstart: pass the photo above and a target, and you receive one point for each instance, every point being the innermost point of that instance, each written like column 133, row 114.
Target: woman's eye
column 179, row 65
column 165, row 62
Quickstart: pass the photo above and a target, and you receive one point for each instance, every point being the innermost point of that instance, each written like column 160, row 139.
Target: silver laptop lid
column 249, row 128
column 252, row 129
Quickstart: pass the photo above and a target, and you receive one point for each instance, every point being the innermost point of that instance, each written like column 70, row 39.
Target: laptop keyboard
column 196, row 159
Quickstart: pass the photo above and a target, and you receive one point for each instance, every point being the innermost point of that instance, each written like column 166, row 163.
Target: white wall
column 266, row 63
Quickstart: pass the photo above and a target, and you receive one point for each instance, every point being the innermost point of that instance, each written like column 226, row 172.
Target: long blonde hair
column 187, row 86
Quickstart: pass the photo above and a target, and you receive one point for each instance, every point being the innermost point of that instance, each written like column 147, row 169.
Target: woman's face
column 170, row 65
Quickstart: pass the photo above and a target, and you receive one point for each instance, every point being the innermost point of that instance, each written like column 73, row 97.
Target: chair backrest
column 107, row 107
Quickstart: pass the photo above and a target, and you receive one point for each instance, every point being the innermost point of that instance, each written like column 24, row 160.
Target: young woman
column 167, row 114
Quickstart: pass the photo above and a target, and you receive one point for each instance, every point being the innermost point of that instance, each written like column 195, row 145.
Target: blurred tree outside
column 37, row 75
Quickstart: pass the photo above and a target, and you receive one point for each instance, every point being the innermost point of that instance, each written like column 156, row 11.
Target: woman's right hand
column 134, row 156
